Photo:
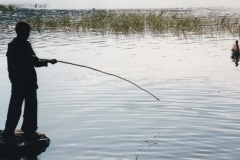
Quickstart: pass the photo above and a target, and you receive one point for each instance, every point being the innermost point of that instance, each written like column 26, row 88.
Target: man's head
column 23, row 30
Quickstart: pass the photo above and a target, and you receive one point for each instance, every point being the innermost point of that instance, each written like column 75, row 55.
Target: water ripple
column 89, row 115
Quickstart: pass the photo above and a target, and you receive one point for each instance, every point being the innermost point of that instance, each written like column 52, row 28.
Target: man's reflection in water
column 18, row 156
column 22, row 147
column 235, row 53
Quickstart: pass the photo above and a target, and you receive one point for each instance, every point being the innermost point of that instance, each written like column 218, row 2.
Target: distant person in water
column 21, row 62
column 235, row 53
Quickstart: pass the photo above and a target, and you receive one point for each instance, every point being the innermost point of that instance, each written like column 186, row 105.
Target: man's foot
column 9, row 141
column 8, row 138
column 7, row 135
column 31, row 135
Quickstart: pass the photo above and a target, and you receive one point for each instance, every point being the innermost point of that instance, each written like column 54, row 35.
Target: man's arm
column 40, row 63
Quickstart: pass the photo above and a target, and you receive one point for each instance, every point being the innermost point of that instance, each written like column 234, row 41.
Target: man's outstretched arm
column 40, row 63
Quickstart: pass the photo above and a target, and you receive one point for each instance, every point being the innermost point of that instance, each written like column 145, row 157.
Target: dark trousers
column 19, row 94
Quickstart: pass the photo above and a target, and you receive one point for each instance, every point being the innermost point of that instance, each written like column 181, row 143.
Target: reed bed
column 180, row 25
column 13, row 7
column 187, row 25
column 162, row 23
column 7, row 7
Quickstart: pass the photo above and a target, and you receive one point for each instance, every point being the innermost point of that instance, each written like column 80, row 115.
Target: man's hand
column 35, row 59
column 52, row 61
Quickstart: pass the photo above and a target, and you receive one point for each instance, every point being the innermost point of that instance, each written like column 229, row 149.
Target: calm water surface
column 126, row 4
column 92, row 116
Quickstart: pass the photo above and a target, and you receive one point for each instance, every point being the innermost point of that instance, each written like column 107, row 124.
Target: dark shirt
column 21, row 62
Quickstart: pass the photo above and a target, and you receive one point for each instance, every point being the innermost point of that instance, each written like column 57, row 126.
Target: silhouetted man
column 235, row 53
column 21, row 62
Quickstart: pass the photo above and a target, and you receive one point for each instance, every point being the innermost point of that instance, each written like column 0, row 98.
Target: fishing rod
column 105, row 73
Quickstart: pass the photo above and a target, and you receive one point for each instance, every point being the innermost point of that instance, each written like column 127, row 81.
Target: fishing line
column 105, row 73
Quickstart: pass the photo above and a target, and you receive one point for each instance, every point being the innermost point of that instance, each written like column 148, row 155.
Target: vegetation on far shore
column 7, row 7
column 162, row 23
column 13, row 7
column 139, row 23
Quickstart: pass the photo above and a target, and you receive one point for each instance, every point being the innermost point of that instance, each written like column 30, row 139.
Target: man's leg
column 14, row 110
column 236, row 59
column 30, row 111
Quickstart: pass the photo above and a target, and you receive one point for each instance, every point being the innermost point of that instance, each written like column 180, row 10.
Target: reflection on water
column 89, row 115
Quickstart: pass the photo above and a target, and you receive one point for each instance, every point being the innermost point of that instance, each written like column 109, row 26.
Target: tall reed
column 163, row 23
column 7, row 7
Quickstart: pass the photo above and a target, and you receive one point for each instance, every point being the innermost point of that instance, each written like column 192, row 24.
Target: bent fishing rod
column 105, row 73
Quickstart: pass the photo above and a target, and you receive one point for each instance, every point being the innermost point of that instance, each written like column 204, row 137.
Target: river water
column 127, row 4
column 91, row 116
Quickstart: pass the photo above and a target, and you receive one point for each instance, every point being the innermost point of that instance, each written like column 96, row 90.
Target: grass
column 187, row 25
column 7, row 7
column 14, row 7
column 137, row 23
column 31, row 5
column 164, row 23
